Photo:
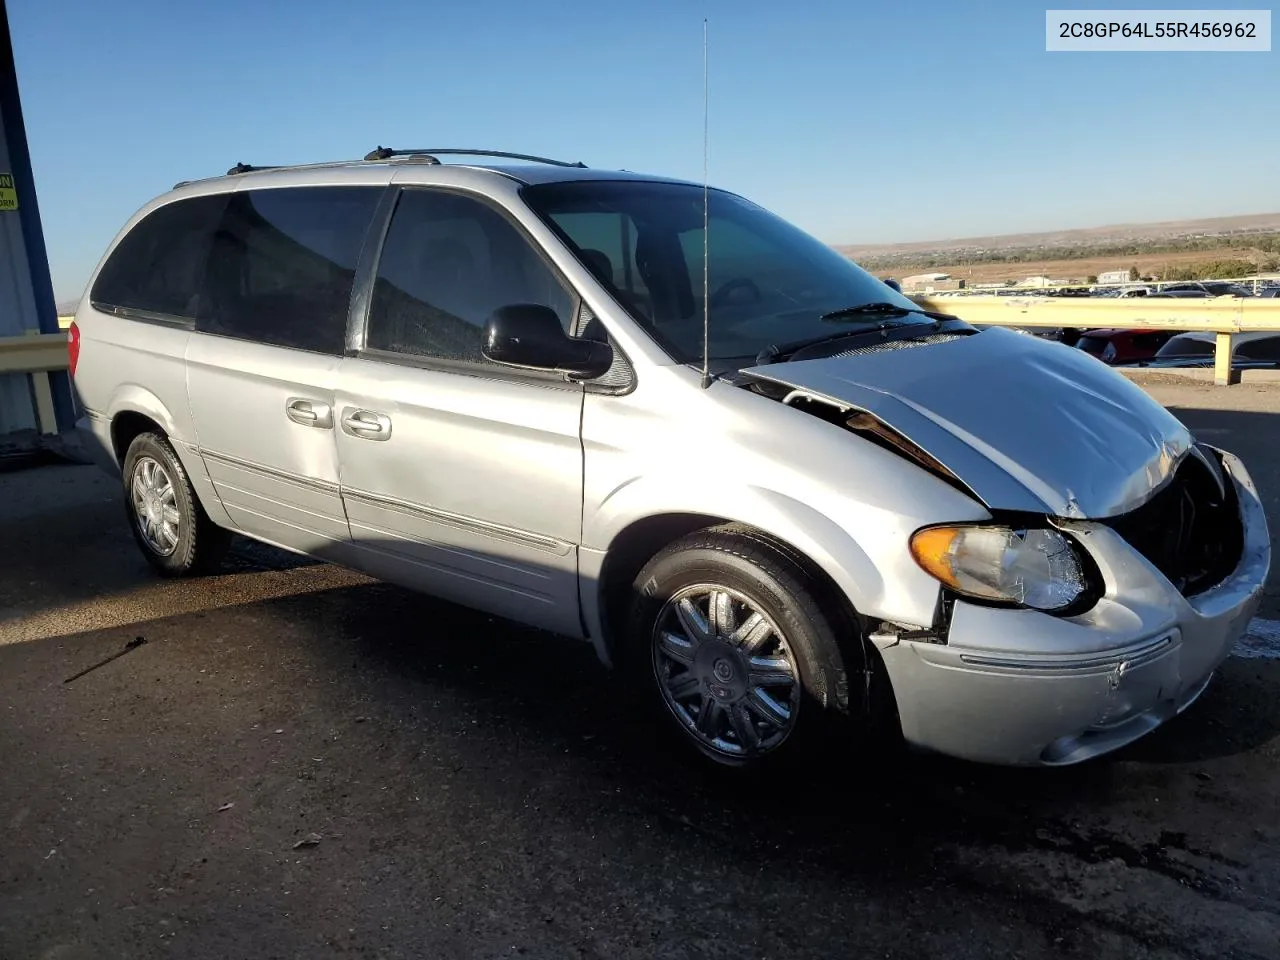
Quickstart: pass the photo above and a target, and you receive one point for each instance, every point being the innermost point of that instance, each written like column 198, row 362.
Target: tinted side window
column 282, row 263
column 448, row 262
column 157, row 266
column 1094, row 345
column 1261, row 349
column 1186, row 347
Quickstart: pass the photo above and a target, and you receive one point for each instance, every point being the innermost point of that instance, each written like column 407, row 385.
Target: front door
column 461, row 477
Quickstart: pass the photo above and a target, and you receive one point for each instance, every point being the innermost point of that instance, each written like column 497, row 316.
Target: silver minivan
column 782, row 497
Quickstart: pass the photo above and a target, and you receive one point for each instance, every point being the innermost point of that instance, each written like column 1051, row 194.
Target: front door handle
column 366, row 424
column 309, row 413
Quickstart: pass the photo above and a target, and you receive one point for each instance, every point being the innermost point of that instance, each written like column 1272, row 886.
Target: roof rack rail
column 248, row 168
column 386, row 153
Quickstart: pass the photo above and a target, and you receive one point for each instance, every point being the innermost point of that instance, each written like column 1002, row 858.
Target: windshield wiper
column 885, row 328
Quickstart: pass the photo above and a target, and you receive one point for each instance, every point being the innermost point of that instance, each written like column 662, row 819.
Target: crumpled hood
column 1025, row 423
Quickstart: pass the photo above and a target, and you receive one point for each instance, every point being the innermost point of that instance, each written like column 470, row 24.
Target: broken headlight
column 1033, row 567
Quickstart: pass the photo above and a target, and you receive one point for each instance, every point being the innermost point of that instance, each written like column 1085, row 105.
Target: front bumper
column 1022, row 687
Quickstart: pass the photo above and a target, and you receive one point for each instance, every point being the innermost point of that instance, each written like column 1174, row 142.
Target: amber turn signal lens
column 932, row 549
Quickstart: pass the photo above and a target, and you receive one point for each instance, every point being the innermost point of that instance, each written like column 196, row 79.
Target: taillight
column 73, row 347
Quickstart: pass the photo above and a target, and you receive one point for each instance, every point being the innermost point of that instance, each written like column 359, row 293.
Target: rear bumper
column 94, row 433
column 1021, row 687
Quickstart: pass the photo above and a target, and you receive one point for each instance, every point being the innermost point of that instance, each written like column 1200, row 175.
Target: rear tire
column 738, row 650
column 171, row 528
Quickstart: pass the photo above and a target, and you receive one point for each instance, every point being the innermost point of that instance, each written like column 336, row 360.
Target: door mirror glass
column 530, row 335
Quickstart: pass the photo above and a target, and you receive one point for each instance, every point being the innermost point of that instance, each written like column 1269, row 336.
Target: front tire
column 738, row 647
column 171, row 528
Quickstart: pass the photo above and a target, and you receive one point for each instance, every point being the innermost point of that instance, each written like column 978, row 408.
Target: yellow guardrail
column 40, row 354
column 1221, row 315
column 37, row 355
column 1211, row 314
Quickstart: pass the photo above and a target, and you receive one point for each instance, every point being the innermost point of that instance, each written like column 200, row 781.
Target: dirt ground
column 301, row 763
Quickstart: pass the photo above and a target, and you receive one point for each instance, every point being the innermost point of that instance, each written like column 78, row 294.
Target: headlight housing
column 1036, row 567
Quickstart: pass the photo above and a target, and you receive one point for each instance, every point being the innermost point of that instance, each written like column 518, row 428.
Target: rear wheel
column 175, row 534
column 738, row 648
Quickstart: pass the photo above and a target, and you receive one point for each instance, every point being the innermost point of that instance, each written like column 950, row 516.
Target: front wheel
column 739, row 649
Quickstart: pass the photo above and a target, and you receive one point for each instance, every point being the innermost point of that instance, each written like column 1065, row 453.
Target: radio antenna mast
column 706, row 246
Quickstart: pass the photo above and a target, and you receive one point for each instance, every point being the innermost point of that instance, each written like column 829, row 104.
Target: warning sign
column 8, row 192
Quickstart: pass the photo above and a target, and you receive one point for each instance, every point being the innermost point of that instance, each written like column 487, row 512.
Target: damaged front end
column 1039, row 436
column 1118, row 564
column 1022, row 424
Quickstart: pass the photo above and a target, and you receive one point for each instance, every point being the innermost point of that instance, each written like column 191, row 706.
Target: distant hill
column 1061, row 241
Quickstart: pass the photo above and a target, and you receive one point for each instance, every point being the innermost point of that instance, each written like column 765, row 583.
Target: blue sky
column 861, row 122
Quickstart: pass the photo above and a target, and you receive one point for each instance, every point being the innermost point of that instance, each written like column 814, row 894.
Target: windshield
column 770, row 282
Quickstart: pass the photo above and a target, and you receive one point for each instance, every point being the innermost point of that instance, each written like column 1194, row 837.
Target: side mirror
column 893, row 284
column 530, row 335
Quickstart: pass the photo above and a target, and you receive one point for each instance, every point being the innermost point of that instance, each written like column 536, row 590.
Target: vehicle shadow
column 499, row 697
column 67, row 540
column 406, row 721
column 858, row 810
column 436, row 751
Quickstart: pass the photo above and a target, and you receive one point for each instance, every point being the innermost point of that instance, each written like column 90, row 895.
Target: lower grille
column 1191, row 530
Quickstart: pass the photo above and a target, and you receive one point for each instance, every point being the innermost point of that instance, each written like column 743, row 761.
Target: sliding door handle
column 309, row 413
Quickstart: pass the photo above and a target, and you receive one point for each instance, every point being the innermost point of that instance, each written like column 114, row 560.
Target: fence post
column 1224, row 373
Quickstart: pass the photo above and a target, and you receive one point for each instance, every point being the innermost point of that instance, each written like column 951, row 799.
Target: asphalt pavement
column 298, row 762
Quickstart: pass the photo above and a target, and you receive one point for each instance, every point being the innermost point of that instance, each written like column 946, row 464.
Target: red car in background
column 1123, row 346
column 1130, row 346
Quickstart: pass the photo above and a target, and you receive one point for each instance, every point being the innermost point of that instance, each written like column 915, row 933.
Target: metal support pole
column 58, row 391
column 1224, row 374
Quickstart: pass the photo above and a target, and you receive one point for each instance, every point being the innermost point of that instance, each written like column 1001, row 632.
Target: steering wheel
column 725, row 291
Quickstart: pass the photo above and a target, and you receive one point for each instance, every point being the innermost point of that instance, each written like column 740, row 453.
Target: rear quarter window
column 157, row 268
column 1266, row 349
column 1186, row 347
column 1094, row 345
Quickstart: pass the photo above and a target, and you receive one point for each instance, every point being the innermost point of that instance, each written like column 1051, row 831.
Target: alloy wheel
column 155, row 506
column 726, row 672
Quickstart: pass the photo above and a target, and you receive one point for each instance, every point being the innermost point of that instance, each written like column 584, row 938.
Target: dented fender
column 847, row 504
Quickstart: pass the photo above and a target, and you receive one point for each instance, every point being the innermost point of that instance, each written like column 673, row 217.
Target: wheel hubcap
column 725, row 671
column 155, row 506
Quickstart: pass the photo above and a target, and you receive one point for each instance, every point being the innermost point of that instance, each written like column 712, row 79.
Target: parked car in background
column 1211, row 288
column 1122, row 346
column 1269, row 292
column 793, row 507
column 1184, row 294
column 1253, row 350
column 1066, row 335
